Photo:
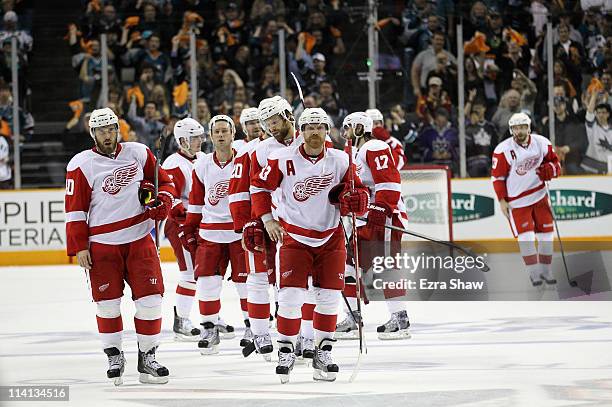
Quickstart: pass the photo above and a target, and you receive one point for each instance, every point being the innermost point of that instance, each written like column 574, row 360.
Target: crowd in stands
column 15, row 21
column 505, row 68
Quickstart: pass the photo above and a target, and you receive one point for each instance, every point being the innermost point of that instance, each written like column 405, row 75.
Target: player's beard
column 315, row 142
column 107, row 147
column 286, row 134
column 521, row 138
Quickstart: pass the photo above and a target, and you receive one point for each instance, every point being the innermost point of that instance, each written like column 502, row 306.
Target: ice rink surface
column 461, row 354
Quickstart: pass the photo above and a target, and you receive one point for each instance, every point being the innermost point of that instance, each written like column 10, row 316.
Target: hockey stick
column 159, row 152
column 356, row 261
column 571, row 282
column 468, row 252
column 299, row 88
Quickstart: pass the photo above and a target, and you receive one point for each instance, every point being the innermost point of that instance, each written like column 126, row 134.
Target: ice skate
column 286, row 360
column 209, row 339
column 226, row 331
column 324, row 367
column 116, row 365
column 248, row 334
column 347, row 328
column 397, row 327
column 151, row 372
column 548, row 277
column 261, row 344
column 184, row 331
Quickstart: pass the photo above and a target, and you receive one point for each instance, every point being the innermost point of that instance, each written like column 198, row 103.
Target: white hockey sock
column 258, row 303
column 528, row 250
column 209, row 289
column 290, row 301
column 241, row 288
column 325, row 314
column 185, row 293
column 395, row 306
column 545, row 252
column 110, row 323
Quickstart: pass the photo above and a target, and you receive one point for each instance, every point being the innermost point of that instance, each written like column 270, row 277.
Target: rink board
column 32, row 221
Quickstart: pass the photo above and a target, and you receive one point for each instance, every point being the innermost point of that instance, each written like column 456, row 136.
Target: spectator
column 446, row 71
column 570, row 135
column 480, row 137
column 231, row 31
column 9, row 29
column 473, row 78
column 148, row 22
column 572, row 55
column 151, row 55
column 526, row 88
column 435, row 98
column 599, row 134
column 510, row 103
column 565, row 19
column 266, row 9
column 494, row 33
column 400, row 126
column 6, row 173
column 440, row 141
column 517, row 58
column 426, row 61
column 26, row 121
column 147, row 128
column 316, row 76
column 96, row 23
column 203, row 111
column 477, row 20
column 330, row 102
column 269, row 83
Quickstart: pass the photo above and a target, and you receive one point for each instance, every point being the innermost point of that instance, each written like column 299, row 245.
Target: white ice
column 460, row 354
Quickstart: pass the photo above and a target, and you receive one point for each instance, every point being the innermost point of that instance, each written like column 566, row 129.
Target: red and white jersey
column 238, row 144
column 397, row 149
column 239, row 196
column 102, row 202
column 304, row 184
column 209, row 199
column 514, row 170
column 375, row 167
column 179, row 167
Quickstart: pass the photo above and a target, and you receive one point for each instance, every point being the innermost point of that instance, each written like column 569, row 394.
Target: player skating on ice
column 376, row 167
column 521, row 167
column 310, row 235
column 188, row 134
column 108, row 229
column 257, row 331
column 209, row 231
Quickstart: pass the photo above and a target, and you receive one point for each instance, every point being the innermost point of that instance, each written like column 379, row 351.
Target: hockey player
column 108, row 229
column 277, row 120
column 257, row 336
column 249, row 121
column 375, row 165
column 521, row 167
column 218, row 245
column 379, row 132
column 310, row 237
column 188, row 134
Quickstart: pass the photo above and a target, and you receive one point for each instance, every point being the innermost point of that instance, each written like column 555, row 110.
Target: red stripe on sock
column 243, row 304
column 109, row 325
column 289, row 327
column 389, row 293
column 350, row 290
column 185, row 291
column 530, row 260
column 147, row 327
column 545, row 259
column 324, row 322
column 259, row 311
column 307, row 311
column 210, row 307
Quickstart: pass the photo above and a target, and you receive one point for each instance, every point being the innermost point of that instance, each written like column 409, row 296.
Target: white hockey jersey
column 180, row 167
column 101, row 200
column 305, row 211
column 209, row 201
column 514, row 170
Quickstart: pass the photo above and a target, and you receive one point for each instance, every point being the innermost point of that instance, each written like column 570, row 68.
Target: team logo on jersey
column 311, row 186
column 527, row 165
column 120, row 178
column 103, row 287
column 218, row 192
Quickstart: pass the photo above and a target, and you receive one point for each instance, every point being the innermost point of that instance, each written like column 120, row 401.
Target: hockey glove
column 160, row 208
column 178, row 212
column 377, row 216
column 546, row 171
column 355, row 201
column 146, row 192
column 335, row 193
column 187, row 234
column 253, row 235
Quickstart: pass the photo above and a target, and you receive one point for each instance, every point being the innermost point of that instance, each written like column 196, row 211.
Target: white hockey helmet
column 275, row 105
column 221, row 118
column 103, row 117
column 374, row 114
column 518, row 119
column 314, row 115
column 247, row 115
column 187, row 128
column 355, row 118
